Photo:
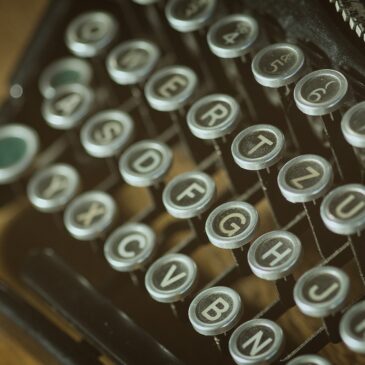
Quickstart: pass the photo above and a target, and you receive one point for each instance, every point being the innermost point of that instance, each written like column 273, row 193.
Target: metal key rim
column 269, row 355
column 125, row 264
column 276, row 81
column 308, row 194
column 185, row 26
column 59, row 202
column 327, row 107
column 177, row 294
column 82, row 49
column 221, row 129
column 353, row 138
column 116, row 146
column 350, row 226
column 195, row 209
column 144, row 180
column 125, row 77
column 235, row 241
column 246, row 47
column 170, row 104
column 90, row 233
column 279, row 271
column 217, row 328
column 320, row 310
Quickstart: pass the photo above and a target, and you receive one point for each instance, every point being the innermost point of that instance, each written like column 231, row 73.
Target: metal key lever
column 54, row 343
column 108, row 329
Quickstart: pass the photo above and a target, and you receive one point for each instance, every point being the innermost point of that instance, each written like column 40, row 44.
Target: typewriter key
column 68, row 107
column 107, row 133
column 274, row 256
column 19, row 145
column 129, row 248
column 131, row 62
column 306, row 179
column 52, row 188
column 353, row 129
column 171, row 88
column 233, row 225
column 259, row 148
column 279, row 66
column 188, row 15
column 145, row 2
column 63, row 72
column 322, row 93
column 256, row 342
column 215, row 311
column 352, row 328
column 145, row 164
column 90, row 33
column 309, row 360
column 171, row 279
column 343, row 212
column 322, row 292
column 188, row 196
column 214, row 117
column 90, row 215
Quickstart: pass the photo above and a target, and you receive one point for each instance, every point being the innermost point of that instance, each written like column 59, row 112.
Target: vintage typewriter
column 182, row 183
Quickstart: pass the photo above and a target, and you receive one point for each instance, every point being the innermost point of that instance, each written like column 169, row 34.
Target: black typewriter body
column 67, row 294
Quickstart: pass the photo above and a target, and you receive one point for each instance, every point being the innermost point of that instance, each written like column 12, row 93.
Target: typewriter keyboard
column 183, row 183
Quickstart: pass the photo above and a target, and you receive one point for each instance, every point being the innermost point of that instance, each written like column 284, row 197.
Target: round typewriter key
column 170, row 88
column 353, row 129
column 90, row 215
column 259, row 148
column 322, row 93
column 233, row 225
column 343, row 212
column 132, row 61
column 129, row 248
column 352, row 328
column 145, row 164
column 188, row 16
column 309, row 360
column 215, row 311
column 188, row 196
column 63, row 72
column 107, row 133
column 306, row 179
column 278, row 66
column 90, row 33
column 274, row 256
column 322, row 292
column 19, row 145
column 145, row 2
column 52, row 188
column 353, row 125
column 214, row 117
column 67, row 108
column 171, row 279
column 258, row 341
column 343, row 209
column 233, row 36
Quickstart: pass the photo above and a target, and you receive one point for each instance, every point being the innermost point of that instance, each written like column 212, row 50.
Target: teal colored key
column 12, row 150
